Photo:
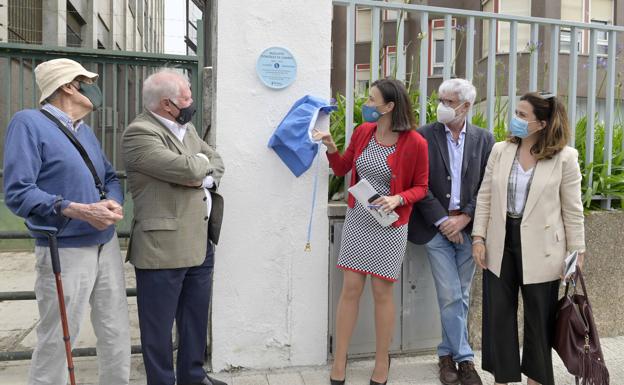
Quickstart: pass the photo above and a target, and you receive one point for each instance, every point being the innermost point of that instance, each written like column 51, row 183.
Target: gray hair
column 163, row 84
column 461, row 87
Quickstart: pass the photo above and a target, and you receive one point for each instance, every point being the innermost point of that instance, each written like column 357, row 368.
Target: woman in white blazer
column 529, row 215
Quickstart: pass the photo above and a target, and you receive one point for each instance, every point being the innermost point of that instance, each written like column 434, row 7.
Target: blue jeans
column 453, row 268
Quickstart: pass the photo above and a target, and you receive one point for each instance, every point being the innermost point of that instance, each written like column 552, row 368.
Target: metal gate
column 417, row 327
column 121, row 79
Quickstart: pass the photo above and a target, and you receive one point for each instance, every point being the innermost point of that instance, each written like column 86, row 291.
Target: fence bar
column 534, row 57
column 200, row 80
column 137, row 90
column 573, row 73
column 592, row 62
column 78, row 352
column 126, row 92
column 103, row 109
column 34, row 83
column 350, row 73
column 30, row 295
column 21, row 83
column 553, row 66
column 465, row 13
column 448, row 47
column 513, row 68
column 400, row 48
column 114, row 109
column 376, row 24
column 470, row 36
column 424, row 68
column 9, row 73
column 491, row 74
column 609, row 110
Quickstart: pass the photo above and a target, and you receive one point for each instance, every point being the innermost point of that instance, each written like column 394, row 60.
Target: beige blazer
column 552, row 223
column 170, row 226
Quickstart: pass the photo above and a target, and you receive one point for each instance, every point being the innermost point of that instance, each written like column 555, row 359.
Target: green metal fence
column 121, row 79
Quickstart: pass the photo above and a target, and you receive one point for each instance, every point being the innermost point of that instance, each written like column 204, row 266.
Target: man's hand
column 113, row 206
column 100, row 215
column 457, row 238
column 454, row 225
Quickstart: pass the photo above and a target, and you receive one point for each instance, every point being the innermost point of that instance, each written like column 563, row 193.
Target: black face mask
column 186, row 113
column 91, row 92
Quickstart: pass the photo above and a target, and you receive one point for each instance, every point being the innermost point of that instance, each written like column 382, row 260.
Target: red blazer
column 409, row 165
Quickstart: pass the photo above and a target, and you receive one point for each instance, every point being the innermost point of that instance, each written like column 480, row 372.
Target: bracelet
column 401, row 201
column 478, row 241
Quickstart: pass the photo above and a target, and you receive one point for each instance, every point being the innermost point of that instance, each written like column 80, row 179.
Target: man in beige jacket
column 172, row 175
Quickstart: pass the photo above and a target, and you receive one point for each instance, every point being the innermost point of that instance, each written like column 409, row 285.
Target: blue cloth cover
column 291, row 140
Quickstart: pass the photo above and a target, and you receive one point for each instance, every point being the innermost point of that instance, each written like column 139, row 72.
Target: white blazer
column 552, row 223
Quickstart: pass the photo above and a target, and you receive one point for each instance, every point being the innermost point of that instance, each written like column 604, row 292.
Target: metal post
column 534, row 57
column 376, row 28
column 491, row 74
column 572, row 79
column 448, row 47
column 424, row 68
column 553, row 66
column 470, row 36
column 350, row 72
column 513, row 69
column 610, row 110
column 400, row 48
column 591, row 101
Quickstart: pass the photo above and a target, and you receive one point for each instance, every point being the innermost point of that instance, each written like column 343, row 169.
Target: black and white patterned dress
column 366, row 246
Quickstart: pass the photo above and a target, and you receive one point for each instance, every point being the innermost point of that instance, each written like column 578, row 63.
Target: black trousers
column 501, row 355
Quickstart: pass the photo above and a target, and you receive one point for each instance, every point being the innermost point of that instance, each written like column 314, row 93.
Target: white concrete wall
column 270, row 297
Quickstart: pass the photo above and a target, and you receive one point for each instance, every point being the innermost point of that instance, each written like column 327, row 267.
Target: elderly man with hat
column 47, row 180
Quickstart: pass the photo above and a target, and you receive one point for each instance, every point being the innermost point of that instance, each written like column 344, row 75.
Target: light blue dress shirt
column 456, row 157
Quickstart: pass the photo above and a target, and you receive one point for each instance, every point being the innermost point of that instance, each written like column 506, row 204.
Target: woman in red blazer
column 392, row 157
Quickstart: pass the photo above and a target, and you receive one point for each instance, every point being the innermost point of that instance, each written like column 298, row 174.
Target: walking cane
column 51, row 232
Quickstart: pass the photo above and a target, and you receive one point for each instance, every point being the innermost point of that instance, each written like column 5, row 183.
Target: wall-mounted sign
column 276, row 67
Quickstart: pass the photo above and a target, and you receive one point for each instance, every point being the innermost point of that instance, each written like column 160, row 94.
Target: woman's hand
column 478, row 252
column 387, row 203
column 326, row 138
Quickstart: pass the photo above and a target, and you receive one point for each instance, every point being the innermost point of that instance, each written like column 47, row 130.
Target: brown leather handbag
column 576, row 337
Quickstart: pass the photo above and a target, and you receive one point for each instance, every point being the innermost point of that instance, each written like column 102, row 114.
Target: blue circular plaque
column 276, row 67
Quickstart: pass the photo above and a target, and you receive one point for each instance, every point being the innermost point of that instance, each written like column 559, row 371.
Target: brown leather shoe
column 468, row 375
column 448, row 371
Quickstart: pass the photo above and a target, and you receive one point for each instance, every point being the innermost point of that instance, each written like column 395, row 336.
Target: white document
column 363, row 192
column 570, row 266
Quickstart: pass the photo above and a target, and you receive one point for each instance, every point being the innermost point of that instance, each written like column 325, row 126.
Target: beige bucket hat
column 52, row 74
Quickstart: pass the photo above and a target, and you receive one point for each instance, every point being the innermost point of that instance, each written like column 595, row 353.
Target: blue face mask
column 370, row 113
column 519, row 127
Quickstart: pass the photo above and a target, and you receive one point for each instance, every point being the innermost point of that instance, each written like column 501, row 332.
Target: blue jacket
column 41, row 167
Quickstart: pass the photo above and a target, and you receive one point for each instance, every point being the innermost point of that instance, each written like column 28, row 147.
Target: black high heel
column 382, row 383
column 339, row 382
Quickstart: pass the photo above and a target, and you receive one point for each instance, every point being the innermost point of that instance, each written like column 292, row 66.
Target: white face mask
column 446, row 114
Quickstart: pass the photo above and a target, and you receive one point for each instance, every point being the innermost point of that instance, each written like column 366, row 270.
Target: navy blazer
column 477, row 146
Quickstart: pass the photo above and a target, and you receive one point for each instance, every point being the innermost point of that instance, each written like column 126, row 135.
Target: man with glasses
column 458, row 154
column 48, row 181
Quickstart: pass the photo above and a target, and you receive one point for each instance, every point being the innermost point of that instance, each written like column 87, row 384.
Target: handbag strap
column 81, row 150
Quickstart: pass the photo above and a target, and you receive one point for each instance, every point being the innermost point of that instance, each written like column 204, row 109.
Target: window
column 362, row 79
column 564, row 40
column 363, row 25
column 389, row 15
column 437, row 47
column 390, row 61
column 74, row 27
column 503, row 29
column 603, row 39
